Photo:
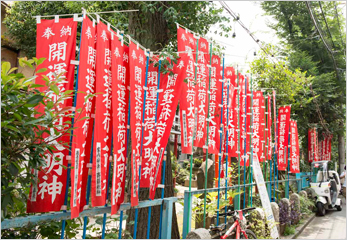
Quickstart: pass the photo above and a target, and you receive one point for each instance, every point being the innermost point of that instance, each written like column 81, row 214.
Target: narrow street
column 331, row 226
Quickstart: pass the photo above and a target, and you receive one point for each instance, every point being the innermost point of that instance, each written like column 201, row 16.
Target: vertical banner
column 329, row 147
column 245, row 112
column 269, row 123
column 186, row 42
column 103, row 114
column 283, row 131
column 320, row 146
column 312, row 156
column 201, row 92
column 215, row 109
column 149, row 124
column 323, row 148
column 82, row 138
column 231, row 106
column 294, row 148
column 137, row 82
column 275, row 123
column 55, row 41
column 258, row 125
column 171, row 87
column 120, row 106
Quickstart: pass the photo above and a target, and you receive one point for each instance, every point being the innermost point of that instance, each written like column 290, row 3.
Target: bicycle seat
column 219, row 228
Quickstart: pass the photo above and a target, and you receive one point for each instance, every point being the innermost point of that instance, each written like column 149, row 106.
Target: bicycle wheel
column 250, row 234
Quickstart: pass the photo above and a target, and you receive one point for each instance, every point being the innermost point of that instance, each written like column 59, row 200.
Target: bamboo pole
column 238, row 199
column 207, row 130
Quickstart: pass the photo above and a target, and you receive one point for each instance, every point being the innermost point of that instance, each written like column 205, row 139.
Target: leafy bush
column 306, row 205
column 259, row 227
column 289, row 230
column 284, row 216
column 294, row 214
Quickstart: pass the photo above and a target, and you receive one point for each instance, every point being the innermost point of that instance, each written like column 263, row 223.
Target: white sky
column 253, row 17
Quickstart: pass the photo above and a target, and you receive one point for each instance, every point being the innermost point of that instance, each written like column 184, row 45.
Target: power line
column 321, row 36
column 326, row 24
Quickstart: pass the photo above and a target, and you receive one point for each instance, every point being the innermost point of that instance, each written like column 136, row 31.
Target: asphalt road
column 331, row 226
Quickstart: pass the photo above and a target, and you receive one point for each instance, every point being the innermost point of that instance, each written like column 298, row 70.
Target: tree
column 153, row 26
column 309, row 53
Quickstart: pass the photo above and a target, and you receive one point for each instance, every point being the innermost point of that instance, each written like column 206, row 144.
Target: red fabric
column 103, row 116
column 120, row 109
column 172, row 86
column 57, row 43
column 258, row 125
column 294, row 148
column 82, row 137
column 149, row 124
column 232, row 114
column 283, row 131
column 275, row 124
column 245, row 111
column 215, row 109
column 187, row 42
column 312, row 156
column 137, row 81
column 201, row 97
column 329, row 147
column 269, row 123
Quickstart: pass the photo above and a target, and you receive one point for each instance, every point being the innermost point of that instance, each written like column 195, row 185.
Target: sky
column 243, row 46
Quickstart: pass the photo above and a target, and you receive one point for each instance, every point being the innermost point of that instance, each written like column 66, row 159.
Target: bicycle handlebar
column 230, row 213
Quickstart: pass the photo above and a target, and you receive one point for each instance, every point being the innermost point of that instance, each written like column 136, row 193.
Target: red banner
column 275, row 124
column 258, row 125
column 55, row 41
column 171, row 86
column 269, row 132
column 320, row 145
column 245, row 112
column 283, row 131
column 329, row 147
column 149, row 124
column 312, row 156
column 201, row 98
column 294, row 148
column 230, row 77
column 324, row 157
column 137, row 81
column 82, row 138
column 103, row 115
column 120, row 108
column 186, row 42
column 215, row 109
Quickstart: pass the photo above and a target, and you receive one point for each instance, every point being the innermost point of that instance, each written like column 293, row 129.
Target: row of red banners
column 319, row 150
column 129, row 86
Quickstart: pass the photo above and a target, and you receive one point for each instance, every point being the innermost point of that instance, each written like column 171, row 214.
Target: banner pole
column 128, row 132
column 69, row 164
column 107, row 192
column 266, row 135
column 207, row 133
column 238, row 198
column 245, row 148
column 162, row 197
column 251, row 160
column 143, row 120
column 163, row 179
column 288, row 154
column 191, row 156
column 220, row 144
column 226, row 147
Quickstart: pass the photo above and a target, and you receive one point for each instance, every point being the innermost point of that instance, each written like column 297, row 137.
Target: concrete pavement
column 331, row 226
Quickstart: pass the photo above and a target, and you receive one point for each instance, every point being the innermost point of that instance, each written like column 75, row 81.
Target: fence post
column 299, row 184
column 186, row 214
column 167, row 218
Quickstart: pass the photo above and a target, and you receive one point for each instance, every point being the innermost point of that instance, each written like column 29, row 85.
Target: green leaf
column 5, row 67
column 35, row 99
column 55, row 89
column 41, row 70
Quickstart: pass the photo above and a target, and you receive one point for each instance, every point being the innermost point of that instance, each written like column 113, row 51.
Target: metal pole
column 245, row 148
column 220, row 143
column 128, row 132
column 163, row 177
column 226, row 148
column 238, row 199
column 207, row 132
column 193, row 136
column 162, row 197
column 143, row 120
column 69, row 164
column 251, row 160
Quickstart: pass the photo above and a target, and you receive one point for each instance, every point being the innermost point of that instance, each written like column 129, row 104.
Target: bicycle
column 238, row 227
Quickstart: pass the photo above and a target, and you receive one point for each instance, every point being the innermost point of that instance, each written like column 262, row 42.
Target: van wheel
column 321, row 209
column 339, row 208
